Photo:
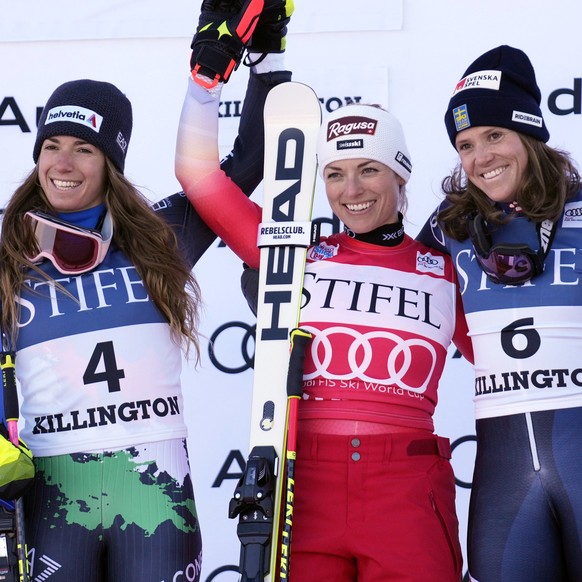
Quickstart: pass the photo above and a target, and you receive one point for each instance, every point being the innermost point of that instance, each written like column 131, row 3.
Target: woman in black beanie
column 106, row 306
column 511, row 221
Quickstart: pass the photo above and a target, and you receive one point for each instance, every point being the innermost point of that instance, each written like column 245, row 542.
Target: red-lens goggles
column 72, row 249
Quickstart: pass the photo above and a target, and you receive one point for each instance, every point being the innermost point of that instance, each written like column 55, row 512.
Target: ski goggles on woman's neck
column 72, row 249
column 509, row 263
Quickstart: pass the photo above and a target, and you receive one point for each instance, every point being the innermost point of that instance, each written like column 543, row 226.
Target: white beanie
column 367, row 132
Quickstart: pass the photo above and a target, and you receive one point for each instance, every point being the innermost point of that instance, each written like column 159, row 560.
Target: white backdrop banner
column 404, row 54
column 35, row 20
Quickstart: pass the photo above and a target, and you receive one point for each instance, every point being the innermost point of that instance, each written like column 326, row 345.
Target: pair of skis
column 292, row 120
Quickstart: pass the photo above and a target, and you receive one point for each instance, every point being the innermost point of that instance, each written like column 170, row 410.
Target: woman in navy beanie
column 106, row 306
column 511, row 221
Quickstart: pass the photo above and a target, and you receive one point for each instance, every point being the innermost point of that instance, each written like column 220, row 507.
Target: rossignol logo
column 479, row 80
column 429, row 263
column 572, row 215
column 403, row 161
column 521, row 117
column 351, row 125
column 75, row 114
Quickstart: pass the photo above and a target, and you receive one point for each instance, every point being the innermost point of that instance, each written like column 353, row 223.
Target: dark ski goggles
column 72, row 249
column 507, row 263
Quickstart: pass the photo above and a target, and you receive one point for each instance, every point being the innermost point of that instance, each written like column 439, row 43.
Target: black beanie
column 498, row 89
column 94, row 111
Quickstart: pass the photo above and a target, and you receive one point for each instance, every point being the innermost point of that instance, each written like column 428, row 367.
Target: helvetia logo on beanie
column 75, row 114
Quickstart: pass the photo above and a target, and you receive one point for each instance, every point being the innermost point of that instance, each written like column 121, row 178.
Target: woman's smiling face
column 72, row 173
column 494, row 159
column 364, row 194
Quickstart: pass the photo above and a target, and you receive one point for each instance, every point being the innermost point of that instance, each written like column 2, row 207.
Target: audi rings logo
column 576, row 211
column 226, row 359
column 463, row 450
column 375, row 356
column 215, row 575
column 431, row 261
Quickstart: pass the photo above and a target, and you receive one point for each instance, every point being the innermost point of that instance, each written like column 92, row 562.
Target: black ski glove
column 224, row 29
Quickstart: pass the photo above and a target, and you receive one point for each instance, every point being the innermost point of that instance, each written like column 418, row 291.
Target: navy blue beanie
column 94, row 111
column 498, row 89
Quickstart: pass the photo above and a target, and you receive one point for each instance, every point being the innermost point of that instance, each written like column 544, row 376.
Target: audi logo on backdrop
column 228, row 360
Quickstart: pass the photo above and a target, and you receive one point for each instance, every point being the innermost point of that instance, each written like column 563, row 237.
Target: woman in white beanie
column 105, row 308
column 511, row 222
column 374, row 489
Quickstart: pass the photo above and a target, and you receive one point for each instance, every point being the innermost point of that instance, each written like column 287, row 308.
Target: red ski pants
column 374, row 508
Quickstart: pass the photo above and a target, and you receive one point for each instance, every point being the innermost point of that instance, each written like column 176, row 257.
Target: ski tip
column 291, row 96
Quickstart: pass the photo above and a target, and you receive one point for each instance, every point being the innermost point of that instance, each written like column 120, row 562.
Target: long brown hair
column 146, row 239
column 548, row 181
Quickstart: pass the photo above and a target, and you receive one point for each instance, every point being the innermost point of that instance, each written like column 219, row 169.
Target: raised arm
column 219, row 200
